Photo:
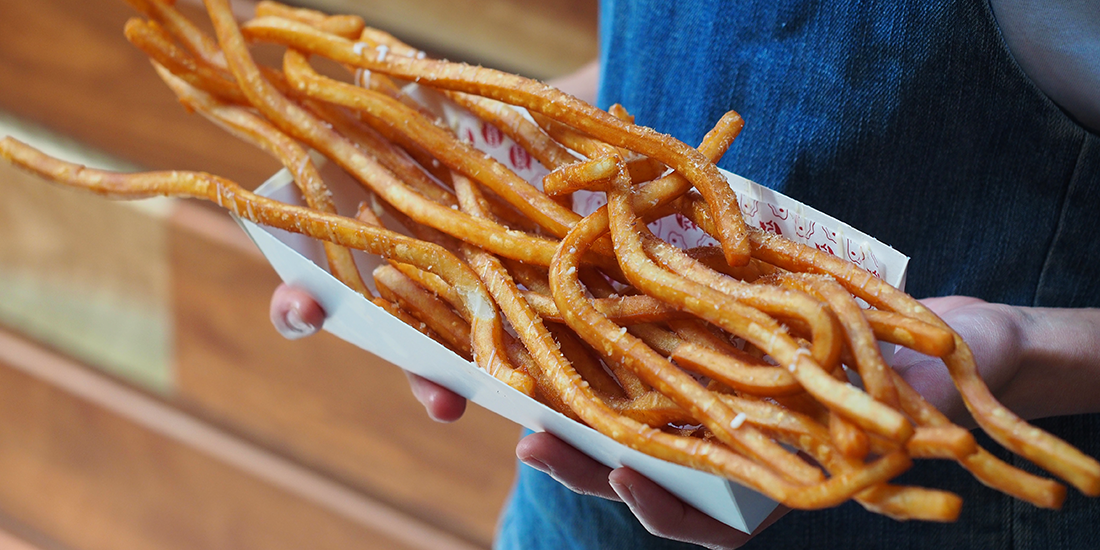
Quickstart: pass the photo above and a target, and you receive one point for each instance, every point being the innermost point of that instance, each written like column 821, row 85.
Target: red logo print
column 521, row 159
column 749, row 206
column 803, row 226
column 676, row 239
column 771, row 226
column 877, row 270
column 855, row 253
column 684, row 223
column 779, row 212
column 493, row 136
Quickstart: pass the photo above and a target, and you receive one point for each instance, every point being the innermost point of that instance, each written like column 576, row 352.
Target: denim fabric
column 912, row 122
column 543, row 514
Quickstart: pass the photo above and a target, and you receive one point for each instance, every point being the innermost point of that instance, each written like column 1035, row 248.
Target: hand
column 1038, row 362
column 296, row 314
column 661, row 512
column 991, row 331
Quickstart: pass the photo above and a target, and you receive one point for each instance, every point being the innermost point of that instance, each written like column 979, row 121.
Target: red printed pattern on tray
column 490, row 139
column 675, row 229
column 682, row 232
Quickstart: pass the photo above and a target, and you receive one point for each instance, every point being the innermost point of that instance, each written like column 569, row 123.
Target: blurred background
column 145, row 399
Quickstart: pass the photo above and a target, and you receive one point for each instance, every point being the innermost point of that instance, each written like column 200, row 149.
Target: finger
column 442, row 404
column 665, row 515
column 928, row 376
column 987, row 328
column 295, row 313
column 568, row 466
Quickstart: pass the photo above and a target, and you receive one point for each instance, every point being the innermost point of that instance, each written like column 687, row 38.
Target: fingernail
column 538, row 465
column 623, row 491
column 296, row 327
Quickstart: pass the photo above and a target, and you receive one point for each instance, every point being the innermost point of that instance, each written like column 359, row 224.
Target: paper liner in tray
column 300, row 260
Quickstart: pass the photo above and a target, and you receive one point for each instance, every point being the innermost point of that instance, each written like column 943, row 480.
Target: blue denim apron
column 912, row 122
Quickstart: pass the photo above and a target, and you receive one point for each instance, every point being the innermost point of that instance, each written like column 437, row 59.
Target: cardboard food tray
column 300, row 261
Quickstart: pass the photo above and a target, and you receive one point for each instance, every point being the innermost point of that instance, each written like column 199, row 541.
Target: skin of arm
column 581, row 83
column 1039, row 362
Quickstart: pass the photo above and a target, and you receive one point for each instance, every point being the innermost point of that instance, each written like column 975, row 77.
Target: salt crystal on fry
column 738, row 420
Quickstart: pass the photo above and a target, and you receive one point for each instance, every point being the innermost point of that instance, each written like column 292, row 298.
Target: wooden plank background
column 539, row 39
column 65, row 65
column 98, row 465
column 321, row 400
column 87, row 276
column 341, row 452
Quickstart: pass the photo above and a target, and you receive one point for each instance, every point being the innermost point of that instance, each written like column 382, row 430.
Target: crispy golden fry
column 909, row 332
column 304, row 126
column 739, row 370
column 548, row 152
column 535, row 97
column 616, row 343
column 741, row 320
column 249, row 127
column 861, row 342
column 825, row 331
column 150, row 38
column 712, row 258
column 570, row 178
column 804, row 433
column 583, row 400
column 948, row 441
column 509, row 121
column 345, row 26
column 624, row 310
column 394, row 286
column 567, row 136
column 388, row 154
column 453, row 153
column 571, row 301
column 1009, row 430
column 198, row 42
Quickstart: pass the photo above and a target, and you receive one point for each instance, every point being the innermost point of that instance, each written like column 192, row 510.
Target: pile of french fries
column 720, row 358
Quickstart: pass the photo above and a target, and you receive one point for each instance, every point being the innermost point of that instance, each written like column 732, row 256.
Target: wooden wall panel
column 321, row 400
column 65, row 64
column 333, row 410
column 96, row 465
column 87, row 276
column 542, row 39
